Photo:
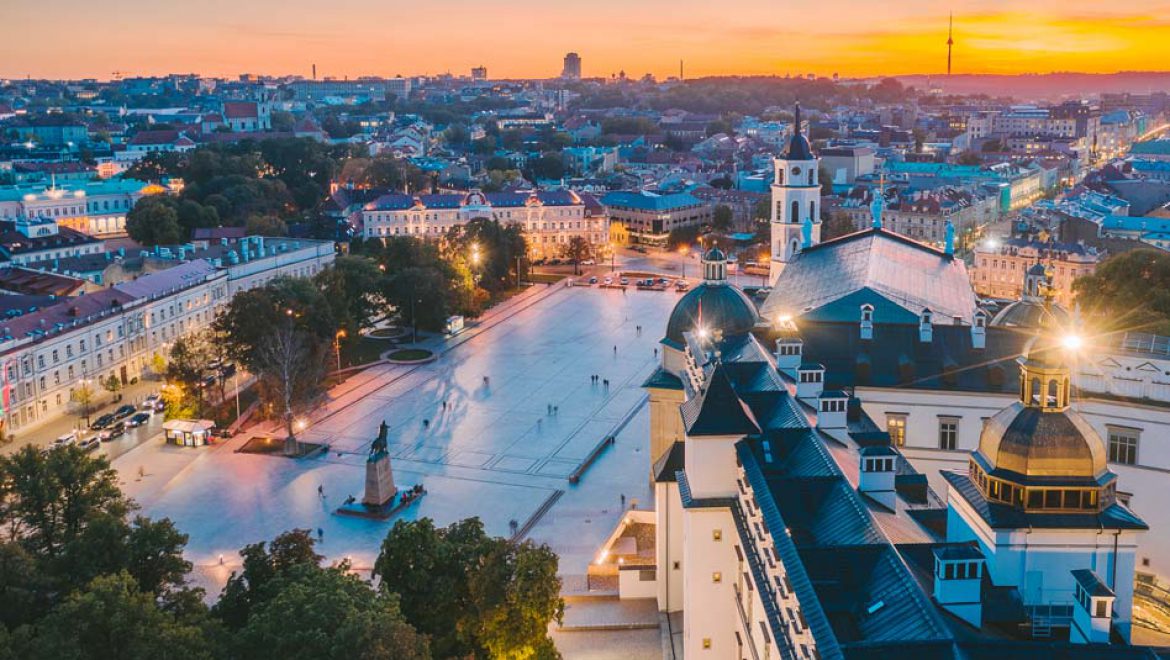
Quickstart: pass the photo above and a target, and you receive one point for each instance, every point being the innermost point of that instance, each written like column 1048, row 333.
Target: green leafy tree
column 352, row 286
column 313, row 613
column 577, row 250
column 191, row 355
column 473, row 594
column 154, row 221
column 1129, row 291
column 112, row 618
column 262, row 565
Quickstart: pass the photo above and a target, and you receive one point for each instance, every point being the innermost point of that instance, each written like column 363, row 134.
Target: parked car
column 625, row 281
column 124, row 411
column 102, row 422
column 138, row 419
column 150, row 402
column 116, row 430
column 588, row 262
column 608, row 281
column 228, row 370
column 89, row 444
column 593, row 280
column 682, row 285
column 65, row 440
column 663, row 281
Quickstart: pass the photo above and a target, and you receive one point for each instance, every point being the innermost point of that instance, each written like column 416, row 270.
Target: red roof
column 240, row 110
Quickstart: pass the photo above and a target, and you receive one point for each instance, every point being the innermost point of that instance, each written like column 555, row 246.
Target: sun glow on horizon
column 512, row 38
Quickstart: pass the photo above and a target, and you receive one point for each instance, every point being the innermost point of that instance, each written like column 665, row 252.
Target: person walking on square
column 320, row 535
column 320, row 491
column 623, row 500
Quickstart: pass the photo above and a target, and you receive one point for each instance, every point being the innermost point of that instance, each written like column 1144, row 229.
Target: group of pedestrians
column 596, row 379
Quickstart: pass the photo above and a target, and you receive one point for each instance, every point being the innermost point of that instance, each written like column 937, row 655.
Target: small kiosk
column 188, row 432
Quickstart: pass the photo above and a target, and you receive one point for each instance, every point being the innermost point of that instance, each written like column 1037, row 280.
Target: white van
column 65, row 440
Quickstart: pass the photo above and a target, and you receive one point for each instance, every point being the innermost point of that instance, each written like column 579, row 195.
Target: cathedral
column 790, row 518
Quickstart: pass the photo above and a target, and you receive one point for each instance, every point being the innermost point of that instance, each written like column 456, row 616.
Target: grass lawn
column 363, row 351
column 409, row 354
column 388, row 333
column 546, row 277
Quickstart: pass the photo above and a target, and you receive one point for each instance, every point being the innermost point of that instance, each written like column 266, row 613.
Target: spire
column 796, row 123
column 950, row 40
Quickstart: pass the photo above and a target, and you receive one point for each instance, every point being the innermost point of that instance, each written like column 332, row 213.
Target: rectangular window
column 1123, row 444
column 896, row 427
column 948, row 432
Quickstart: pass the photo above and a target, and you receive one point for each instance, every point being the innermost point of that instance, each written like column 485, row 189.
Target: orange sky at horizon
column 528, row 38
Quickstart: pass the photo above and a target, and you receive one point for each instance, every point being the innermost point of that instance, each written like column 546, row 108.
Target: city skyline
column 754, row 38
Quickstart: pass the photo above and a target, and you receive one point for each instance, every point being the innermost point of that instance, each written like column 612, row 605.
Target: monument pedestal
column 379, row 481
column 380, row 500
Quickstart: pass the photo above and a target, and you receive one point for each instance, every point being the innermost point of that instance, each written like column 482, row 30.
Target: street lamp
column 337, row 346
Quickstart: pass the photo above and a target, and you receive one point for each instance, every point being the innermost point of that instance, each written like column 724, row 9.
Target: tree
column 265, row 225
column 723, row 216
column 158, row 364
column 112, row 383
column 550, row 166
column 50, row 498
column 837, row 224
column 1130, row 291
column 577, row 250
column 191, row 356
column 352, row 285
column 83, row 395
column 290, row 374
column 473, row 594
column 969, row 158
column 248, row 588
column 154, row 221
column 516, row 593
column 282, row 121
column 314, row 612
column 113, row 618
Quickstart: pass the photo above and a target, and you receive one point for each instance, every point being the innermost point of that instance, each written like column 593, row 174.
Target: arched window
column 1053, row 392
column 812, row 211
column 780, row 175
column 795, row 212
column 1034, row 392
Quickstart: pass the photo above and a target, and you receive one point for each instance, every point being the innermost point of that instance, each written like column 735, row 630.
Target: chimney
column 979, row 330
column 789, row 349
column 810, row 380
column 867, row 322
column 1093, row 611
column 876, row 480
column 926, row 326
column 832, row 410
column 958, row 574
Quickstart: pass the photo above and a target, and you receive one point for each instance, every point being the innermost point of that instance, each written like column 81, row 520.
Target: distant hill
column 1050, row 86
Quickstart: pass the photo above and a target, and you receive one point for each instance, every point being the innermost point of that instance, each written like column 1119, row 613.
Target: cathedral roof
column 721, row 307
column 718, row 410
column 1030, row 314
column 898, row 276
column 1033, row 443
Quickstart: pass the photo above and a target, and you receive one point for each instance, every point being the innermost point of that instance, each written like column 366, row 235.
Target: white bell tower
column 796, row 201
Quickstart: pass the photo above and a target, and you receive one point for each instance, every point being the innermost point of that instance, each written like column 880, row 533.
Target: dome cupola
column 1038, row 454
column 715, row 304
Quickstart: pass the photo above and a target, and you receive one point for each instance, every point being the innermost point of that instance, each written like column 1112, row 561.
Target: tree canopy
column 1129, row 291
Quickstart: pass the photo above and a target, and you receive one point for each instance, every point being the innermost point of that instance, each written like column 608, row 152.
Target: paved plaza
column 493, row 451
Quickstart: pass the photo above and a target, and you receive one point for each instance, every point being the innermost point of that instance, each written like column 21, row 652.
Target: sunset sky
column 528, row 38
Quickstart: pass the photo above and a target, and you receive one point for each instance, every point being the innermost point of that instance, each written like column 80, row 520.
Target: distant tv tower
column 950, row 41
column 680, row 69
